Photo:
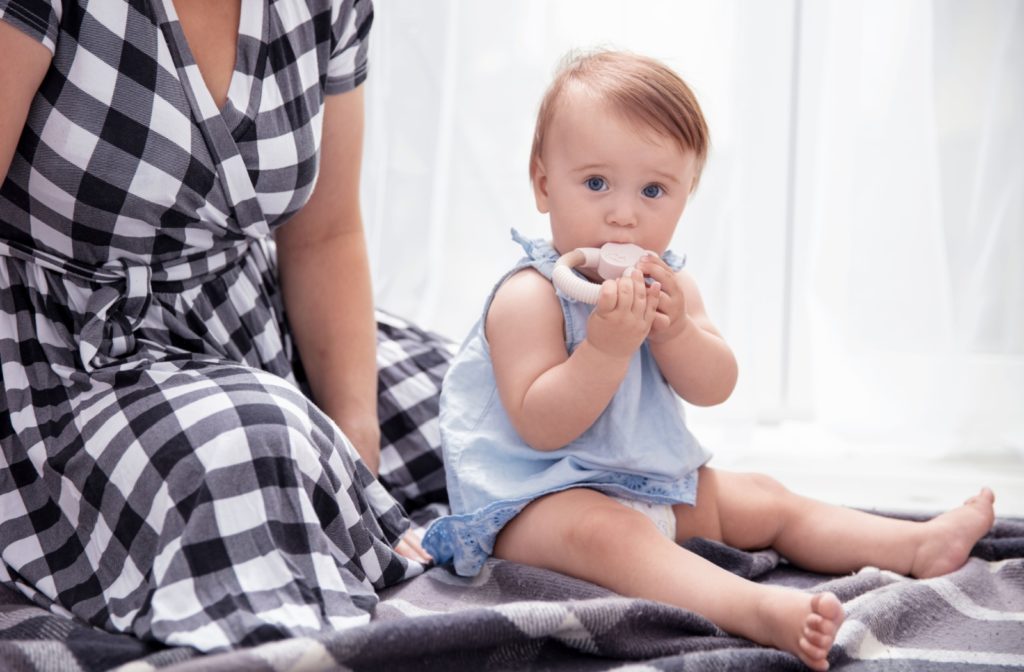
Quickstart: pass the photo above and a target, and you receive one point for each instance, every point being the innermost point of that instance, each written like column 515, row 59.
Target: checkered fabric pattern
column 161, row 473
column 411, row 365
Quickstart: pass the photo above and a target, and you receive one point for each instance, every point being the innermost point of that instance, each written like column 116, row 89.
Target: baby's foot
column 948, row 538
column 804, row 625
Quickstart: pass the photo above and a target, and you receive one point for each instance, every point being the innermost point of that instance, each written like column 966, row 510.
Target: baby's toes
column 828, row 607
column 984, row 498
column 818, row 638
column 816, row 623
column 813, row 656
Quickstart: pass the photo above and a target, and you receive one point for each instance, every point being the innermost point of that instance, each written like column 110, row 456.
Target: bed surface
column 517, row 617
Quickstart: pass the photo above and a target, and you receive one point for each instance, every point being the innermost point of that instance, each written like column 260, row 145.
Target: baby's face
column 604, row 178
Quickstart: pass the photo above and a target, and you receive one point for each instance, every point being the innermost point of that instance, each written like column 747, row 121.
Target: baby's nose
column 622, row 213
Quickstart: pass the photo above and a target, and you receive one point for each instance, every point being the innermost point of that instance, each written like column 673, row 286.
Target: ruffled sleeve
column 38, row 19
column 674, row 261
column 349, row 43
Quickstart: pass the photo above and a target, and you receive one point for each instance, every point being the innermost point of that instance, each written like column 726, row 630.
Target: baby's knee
column 772, row 497
column 603, row 528
column 766, row 485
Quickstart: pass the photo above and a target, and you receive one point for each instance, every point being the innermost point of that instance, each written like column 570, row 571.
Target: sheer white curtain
column 909, row 223
column 859, row 230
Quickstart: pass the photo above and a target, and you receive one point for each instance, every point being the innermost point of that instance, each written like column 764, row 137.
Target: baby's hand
column 625, row 311
column 670, row 320
column 409, row 547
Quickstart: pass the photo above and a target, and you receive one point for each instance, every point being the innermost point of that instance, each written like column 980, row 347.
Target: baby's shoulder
column 526, row 280
column 524, row 297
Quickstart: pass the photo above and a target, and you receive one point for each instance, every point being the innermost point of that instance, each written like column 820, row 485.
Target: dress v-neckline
column 223, row 129
column 245, row 86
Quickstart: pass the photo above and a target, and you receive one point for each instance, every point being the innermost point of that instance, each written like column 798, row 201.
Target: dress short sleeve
column 350, row 33
column 39, row 19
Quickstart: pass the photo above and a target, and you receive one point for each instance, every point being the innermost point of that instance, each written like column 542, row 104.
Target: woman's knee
column 237, row 422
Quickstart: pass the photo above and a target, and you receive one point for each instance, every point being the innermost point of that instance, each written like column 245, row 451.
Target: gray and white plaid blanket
column 516, row 617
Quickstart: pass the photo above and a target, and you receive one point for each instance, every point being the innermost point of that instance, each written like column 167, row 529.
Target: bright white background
column 858, row 234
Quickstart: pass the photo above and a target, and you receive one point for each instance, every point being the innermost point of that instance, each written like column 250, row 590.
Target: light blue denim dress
column 638, row 448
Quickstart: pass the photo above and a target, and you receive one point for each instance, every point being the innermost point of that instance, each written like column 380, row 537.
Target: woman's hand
column 625, row 312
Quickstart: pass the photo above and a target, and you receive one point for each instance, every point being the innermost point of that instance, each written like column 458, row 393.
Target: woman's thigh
column 190, row 483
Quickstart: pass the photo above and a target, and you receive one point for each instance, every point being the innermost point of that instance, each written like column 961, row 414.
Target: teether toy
column 611, row 260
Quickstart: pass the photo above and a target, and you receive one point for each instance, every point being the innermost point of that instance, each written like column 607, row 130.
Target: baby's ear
column 540, row 186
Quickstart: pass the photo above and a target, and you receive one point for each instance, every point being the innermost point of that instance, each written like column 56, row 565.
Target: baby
column 565, row 442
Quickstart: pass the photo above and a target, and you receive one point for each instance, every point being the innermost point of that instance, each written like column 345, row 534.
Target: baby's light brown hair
column 640, row 88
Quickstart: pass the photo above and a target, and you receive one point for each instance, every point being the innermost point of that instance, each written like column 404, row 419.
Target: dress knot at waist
column 112, row 314
column 116, row 308
column 187, row 270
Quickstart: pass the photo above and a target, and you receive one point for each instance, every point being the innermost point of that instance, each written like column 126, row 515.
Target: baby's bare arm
column 690, row 351
column 552, row 397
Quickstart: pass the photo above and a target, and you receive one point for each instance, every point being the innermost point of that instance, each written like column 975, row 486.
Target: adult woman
column 161, row 472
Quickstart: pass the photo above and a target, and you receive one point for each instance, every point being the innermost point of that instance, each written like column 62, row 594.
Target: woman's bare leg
column 590, row 536
column 752, row 511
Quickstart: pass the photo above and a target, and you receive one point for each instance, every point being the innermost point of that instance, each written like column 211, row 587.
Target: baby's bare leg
column 752, row 511
column 590, row 536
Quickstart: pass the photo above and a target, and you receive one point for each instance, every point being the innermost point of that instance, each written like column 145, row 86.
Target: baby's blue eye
column 596, row 183
column 652, row 191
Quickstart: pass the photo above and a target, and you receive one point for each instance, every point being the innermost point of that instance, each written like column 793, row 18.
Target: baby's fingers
column 653, row 296
column 625, row 292
column 656, row 269
column 409, row 546
column 608, row 297
column 640, row 293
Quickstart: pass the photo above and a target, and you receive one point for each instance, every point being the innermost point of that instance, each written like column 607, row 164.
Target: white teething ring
column 612, row 260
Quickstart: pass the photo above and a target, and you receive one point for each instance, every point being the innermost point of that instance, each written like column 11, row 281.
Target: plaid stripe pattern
column 411, row 365
column 516, row 617
column 161, row 472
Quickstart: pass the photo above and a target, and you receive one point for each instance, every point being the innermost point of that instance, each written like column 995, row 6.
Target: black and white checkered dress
column 161, row 473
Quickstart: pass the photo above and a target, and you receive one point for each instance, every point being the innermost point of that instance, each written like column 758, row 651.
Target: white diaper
column 660, row 514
